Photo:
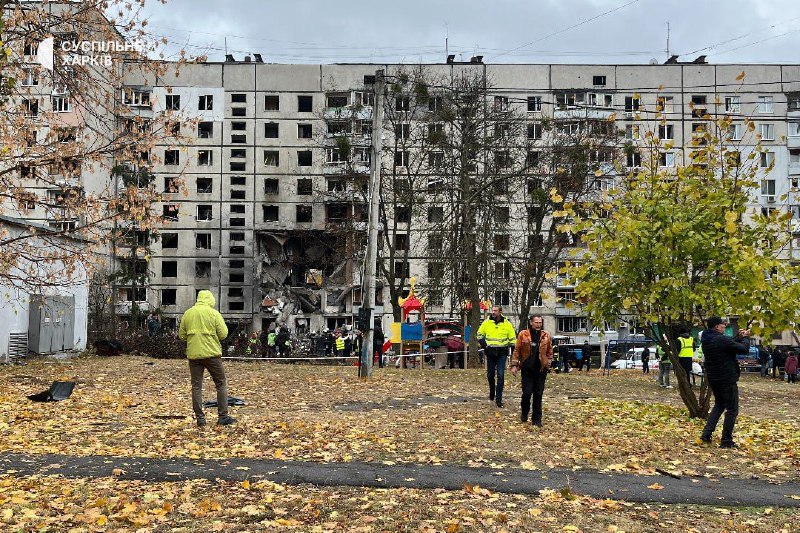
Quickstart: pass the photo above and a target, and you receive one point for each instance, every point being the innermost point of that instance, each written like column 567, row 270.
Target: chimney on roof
column 229, row 58
column 258, row 58
column 476, row 59
column 672, row 60
column 451, row 58
column 247, row 59
column 701, row 60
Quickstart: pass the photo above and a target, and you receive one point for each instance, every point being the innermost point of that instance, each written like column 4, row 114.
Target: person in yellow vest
column 496, row 336
column 339, row 343
column 686, row 353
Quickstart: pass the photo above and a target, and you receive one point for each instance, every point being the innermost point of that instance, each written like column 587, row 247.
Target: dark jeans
column 214, row 367
column 532, row 385
column 646, row 366
column 792, row 378
column 686, row 364
column 496, row 364
column 726, row 398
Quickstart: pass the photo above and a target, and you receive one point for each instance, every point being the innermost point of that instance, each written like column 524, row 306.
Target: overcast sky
column 503, row 31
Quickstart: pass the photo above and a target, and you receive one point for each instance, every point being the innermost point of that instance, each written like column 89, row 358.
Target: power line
column 742, row 36
column 757, row 42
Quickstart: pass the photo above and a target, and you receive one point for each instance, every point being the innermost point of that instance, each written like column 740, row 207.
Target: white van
column 633, row 359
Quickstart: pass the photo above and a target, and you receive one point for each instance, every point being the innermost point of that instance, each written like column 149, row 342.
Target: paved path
column 629, row 487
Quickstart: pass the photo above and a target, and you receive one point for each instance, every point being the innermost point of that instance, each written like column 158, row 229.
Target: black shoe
column 523, row 420
column 491, row 397
column 499, row 403
column 201, row 423
column 538, row 424
column 728, row 445
column 706, row 440
column 226, row 421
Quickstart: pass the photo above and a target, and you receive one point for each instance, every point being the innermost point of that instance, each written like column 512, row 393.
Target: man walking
column 202, row 327
column 533, row 354
column 722, row 371
column 496, row 336
column 646, row 360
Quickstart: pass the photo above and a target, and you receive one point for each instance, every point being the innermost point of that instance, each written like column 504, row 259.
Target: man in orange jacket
column 533, row 354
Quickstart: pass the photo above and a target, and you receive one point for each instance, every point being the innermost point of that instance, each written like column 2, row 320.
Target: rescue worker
column 686, row 354
column 496, row 336
column 339, row 343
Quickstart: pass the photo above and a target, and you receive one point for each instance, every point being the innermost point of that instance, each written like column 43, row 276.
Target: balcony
column 582, row 113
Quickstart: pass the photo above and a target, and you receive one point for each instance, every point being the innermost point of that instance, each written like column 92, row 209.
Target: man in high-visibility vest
column 496, row 336
column 686, row 353
column 339, row 343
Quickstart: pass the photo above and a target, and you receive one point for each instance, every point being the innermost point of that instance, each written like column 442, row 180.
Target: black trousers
column 726, row 398
column 532, row 385
column 686, row 363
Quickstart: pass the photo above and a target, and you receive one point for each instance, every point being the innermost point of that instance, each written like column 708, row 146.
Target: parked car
column 633, row 359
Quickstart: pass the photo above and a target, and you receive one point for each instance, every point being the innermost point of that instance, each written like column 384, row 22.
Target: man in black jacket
column 722, row 371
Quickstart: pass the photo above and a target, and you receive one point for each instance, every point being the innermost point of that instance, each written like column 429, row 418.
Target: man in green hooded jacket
column 202, row 327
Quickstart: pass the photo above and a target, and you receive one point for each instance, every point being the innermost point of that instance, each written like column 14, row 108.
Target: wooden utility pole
column 371, row 256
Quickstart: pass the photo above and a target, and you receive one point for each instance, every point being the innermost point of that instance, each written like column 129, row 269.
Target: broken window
column 270, row 186
column 237, row 222
column 337, row 100
column 304, row 213
column 401, row 269
column 236, row 277
column 169, row 269
column 501, row 214
column 172, row 157
column 304, row 186
column 271, row 130
column 170, row 212
column 238, row 126
column 238, row 180
column 173, row 102
column 270, row 213
column 205, row 186
column 501, row 103
column 435, row 270
column 169, row 296
column 305, row 103
column 170, row 184
column 205, row 158
column 436, row 159
column 271, row 158
column 205, row 102
column 202, row 241
column 631, row 104
column 333, row 156
column 237, row 250
column 236, row 236
column 235, row 306
column 435, row 243
column 238, row 153
column 235, row 292
column 169, row 240
column 238, row 195
column 202, row 269
column 239, row 98
column 304, row 158
column 236, row 263
column 401, row 241
column 435, row 214
column 238, row 167
column 304, row 131
column 135, row 97
column 204, row 212
column 403, row 214
column 501, row 241
column 239, row 111
column 271, row 102
column 238, row 139
column 435, row 185
column 237, row 208
column 30, row 107
column 205, row 130
column 500, row 185
column 402, row 103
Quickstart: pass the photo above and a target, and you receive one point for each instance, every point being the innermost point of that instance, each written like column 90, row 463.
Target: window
column 237, row 263
column 401, row 241
column 767, row 132
column 733, row 104
column 172, row 157
column 271, row 130
column 767, row 159
column 239, row 98
column 30, row 47
column 237, row 209
column 271, row 158
column 600, row 100
column 401, row 158
column 270, row 213
column 235, row 292
column 567, row 100
column 238, row 111
column 502, row 159
column 403, row 214
column 236, row 277
column 202, row 241
column 631, row 104
column 170, row 212
column 271, row 102
column 535, row 130
column 634, row 159
column 238, row 167
column 401, row 131
column 401, row 269
column 794, row 158
column 666, row 159
column 664, row 104
column 571, row 324
column 169, row 240
column 501, row 103
column 238, row 195
column 270, row 186
column 599, row 80
column 768, row 187
column 205, row 158
column 337, row 100
column 30, row 107
column 304, row 186
column 205, row 212
column 205, row 102
column 435, row 185
column 169, row 269
column 304, row 158
column 135, row 97
column 435, row 214
column 205, row 186
column 205, row 130
column 435, row 104
column 501, row 298
column 501, row 241
column 435, row 270
column 793, row 101
column 501, row 214
column 632, row 131
column 304, row 213
column 31, row 78
column 402, row 103
column 735, row 132
column 304, row 131
column 61, row 104
column 794, row 129
column 238, row 139
column 202, row 269
column 238, row 153
column 173, row 102
column 237, row 250
column 436, row 159
column 502, row 270
column 665, row 132
column 305, row 103
column 765, row 104
column 169, row 296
